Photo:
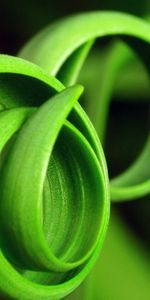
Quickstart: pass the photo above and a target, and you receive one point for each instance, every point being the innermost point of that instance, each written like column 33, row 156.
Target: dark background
column 19, row 20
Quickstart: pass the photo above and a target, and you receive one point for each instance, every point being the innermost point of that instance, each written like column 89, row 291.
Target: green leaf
column 54, row 48
column 52, row 173
column 54, row 187
column 56, row 43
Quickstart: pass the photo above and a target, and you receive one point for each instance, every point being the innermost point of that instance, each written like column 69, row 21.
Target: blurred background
column 123, row 269
column 19, row 20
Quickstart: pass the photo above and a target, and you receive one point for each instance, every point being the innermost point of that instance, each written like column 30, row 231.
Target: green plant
column 54, row 182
